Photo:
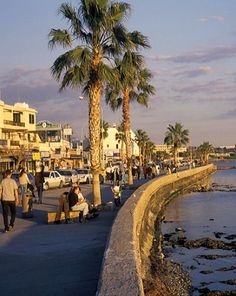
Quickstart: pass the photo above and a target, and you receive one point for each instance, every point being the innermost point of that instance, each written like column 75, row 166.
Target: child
column 117, row 193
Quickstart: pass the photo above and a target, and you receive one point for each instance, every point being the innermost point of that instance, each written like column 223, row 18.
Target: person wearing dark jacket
column 39, row 180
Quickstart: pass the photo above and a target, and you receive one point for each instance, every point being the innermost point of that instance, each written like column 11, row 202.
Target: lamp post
column 102, row 139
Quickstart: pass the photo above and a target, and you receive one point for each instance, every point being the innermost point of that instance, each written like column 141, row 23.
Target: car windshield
column 46, row 174
column 65, row 173
column 81, row 172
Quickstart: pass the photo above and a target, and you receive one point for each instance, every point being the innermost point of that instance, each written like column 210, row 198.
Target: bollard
column 27, row 206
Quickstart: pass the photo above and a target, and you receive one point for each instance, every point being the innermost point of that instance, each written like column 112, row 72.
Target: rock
column 218, row 234
column 180, row 229
column 230, row 237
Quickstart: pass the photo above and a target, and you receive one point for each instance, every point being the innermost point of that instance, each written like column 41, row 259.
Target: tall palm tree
column 205, row 149
column 141, row 138
column 177, row 136
column 94, row 36
column 132, row 84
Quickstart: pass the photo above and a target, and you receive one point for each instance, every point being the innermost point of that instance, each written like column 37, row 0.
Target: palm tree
column 104, row 126
column 121, row 138
column 141, row 138
column 94, row 36
column 150, row 148
column 176, row 136
column 205, row 149
column 132, row 84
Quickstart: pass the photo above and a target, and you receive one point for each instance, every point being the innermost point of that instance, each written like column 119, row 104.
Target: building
column 22, row 141
column 169, row 148
column 54, row 143
column 17, row 133
column 114, row 146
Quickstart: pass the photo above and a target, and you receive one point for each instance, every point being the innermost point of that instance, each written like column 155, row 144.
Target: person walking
column 117, row 194
column 9, row 199
column 24, row 181
column 39, row 180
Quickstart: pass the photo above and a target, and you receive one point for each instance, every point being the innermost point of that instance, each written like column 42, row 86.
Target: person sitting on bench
column 78, row 203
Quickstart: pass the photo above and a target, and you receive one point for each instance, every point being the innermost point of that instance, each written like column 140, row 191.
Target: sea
column 207, row 218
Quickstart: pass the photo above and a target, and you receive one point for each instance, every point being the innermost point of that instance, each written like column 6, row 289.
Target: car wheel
column 61, row 184
column 46, row 186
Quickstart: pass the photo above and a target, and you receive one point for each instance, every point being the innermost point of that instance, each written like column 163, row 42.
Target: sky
column 192, row 59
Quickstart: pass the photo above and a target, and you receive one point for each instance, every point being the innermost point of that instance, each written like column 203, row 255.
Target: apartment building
column 17, row 132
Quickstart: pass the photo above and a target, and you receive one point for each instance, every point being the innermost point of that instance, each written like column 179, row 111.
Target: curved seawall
column 127, row 257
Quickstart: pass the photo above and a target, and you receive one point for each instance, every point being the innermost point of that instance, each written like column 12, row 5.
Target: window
column 107, row 145
column 31, row 118
column 16, row 117
column 117, row 146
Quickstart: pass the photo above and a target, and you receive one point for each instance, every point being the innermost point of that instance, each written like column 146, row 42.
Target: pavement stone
column 40, row 259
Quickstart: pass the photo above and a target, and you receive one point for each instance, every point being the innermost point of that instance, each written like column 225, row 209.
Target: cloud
column 217, row 18
column 217, row 86
column 195, row 72
column 231, row 114
column 35, row 86
column 200, row 56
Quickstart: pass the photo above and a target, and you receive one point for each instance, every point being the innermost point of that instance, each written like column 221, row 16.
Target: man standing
column 39, row 180
column 9, row 199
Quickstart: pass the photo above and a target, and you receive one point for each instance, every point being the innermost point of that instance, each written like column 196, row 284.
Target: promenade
column 39, row 259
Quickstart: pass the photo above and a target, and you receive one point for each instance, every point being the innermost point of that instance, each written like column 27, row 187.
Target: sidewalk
column 39, row 259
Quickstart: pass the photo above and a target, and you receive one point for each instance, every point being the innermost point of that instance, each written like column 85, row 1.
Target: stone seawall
column 127, row 257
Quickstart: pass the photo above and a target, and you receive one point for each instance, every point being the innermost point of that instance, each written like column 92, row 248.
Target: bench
column 52, row 216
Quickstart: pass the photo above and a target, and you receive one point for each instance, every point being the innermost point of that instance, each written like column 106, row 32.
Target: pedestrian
column 154, row 170
column 9, row 199
column 24, row 181
column 39, row 180
column 78, row 203
column 117, row 193
column 145, row 171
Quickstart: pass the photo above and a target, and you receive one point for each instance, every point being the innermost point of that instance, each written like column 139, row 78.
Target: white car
column 84, row 176
column 70, row 176
column 52, row 179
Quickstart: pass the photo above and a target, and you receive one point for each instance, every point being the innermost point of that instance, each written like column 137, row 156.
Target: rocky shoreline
column 168, row 278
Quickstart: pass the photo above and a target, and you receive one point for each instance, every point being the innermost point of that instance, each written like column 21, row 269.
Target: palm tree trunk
column 122, row 150
column 140, row 156
column 175, row 155
column 126, row 121
column 94, row 136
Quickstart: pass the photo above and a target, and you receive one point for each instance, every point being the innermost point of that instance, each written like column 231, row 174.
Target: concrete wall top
column 122, row 267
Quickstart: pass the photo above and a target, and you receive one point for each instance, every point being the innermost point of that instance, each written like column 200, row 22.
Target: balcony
column 14, row 123
column 15, row 143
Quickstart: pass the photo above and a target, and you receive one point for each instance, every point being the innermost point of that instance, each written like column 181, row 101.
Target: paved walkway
column 39, row 259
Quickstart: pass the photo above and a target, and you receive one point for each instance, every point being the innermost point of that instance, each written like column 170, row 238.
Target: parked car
column 70, row 176
column 84, row 175
column 52, row 179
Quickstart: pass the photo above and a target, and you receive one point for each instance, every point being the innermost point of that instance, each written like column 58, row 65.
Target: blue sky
column 193, row 60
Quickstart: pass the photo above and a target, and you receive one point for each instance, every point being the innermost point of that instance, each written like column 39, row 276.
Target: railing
column 10, row 122
column 15, row 143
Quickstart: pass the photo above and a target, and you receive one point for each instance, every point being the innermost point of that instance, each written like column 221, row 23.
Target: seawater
column 201, row 215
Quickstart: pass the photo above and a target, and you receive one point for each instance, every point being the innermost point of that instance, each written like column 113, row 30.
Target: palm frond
column 59, row 38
